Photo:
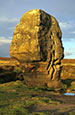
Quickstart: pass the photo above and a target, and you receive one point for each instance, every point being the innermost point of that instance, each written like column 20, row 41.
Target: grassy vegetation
column 18, row 99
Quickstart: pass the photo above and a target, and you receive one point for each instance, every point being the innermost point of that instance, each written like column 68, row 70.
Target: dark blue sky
column 63, row 10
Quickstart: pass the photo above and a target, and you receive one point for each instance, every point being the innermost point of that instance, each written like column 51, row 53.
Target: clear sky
column 12, row 10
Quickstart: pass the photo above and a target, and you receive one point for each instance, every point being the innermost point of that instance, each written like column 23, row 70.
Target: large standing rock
column 37, row 42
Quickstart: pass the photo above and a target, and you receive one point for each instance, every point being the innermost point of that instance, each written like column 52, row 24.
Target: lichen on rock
column 37, row 41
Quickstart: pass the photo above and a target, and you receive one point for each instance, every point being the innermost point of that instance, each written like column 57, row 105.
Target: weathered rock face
column 37, row 41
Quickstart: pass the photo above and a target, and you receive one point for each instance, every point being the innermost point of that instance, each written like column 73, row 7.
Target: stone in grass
column 37, row 45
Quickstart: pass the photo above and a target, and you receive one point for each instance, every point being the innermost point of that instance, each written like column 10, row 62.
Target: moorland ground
column 18, row 99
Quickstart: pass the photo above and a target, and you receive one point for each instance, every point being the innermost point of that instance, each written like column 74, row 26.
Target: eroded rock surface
column 37, row 42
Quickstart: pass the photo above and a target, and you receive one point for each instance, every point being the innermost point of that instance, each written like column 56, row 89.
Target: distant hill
column 68, row 69
column 66, row 61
